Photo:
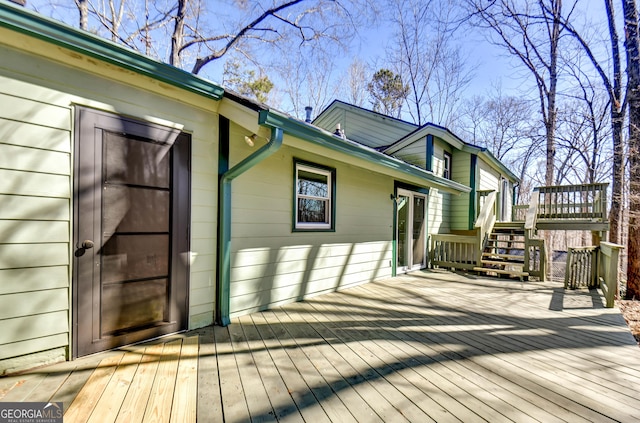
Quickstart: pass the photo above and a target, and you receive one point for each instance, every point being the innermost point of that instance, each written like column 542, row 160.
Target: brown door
column 131, row 231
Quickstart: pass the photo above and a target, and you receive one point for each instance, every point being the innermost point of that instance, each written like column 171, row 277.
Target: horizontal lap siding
column 272, row 265
column 461, row 172
column 439, row 202
column 364, row 127
column 37, row 98
column 489, row 178
column 35, row 201
column 415, row 153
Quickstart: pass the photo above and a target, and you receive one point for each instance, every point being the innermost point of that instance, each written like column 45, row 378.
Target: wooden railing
column 594, row 266
column 587, row 201
column 582, row 266
column 535, row 258
column 454, row 251
column 519, row 212
column 608, row 271
column 485, row 220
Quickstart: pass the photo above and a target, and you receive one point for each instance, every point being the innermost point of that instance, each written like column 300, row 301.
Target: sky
column 492, row 66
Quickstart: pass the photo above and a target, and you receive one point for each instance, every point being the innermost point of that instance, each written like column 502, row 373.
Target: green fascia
column 486, row 154
column 224, row 246
column 323, row 138
column 18, row 19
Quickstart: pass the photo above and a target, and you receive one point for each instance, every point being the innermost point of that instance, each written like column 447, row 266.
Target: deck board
column 430, row 346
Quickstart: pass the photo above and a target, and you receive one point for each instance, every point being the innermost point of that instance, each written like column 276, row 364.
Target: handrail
column 454, row 251
column 583, row 201
column 608, row 271
column 532, row 213
column 486, row 219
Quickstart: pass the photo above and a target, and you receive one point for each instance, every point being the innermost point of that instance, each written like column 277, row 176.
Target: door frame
column 88, row 126
column 411, row 192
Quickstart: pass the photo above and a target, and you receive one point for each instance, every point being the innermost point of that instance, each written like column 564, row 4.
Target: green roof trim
column 321, row 137
column 19, row 19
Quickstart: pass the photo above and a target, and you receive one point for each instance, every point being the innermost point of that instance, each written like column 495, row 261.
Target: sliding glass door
column 410, row 230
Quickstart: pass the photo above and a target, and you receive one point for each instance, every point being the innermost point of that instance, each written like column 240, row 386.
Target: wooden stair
column 503, row 252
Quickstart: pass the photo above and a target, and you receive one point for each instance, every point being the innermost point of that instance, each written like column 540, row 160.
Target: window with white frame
column 314, row 197
column 447, row 165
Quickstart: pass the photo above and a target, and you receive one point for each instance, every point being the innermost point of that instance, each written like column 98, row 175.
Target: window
column 446, row 173
column 314, row 196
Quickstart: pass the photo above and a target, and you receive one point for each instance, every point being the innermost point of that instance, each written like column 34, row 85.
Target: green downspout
column 473, row 200
column 224, row 243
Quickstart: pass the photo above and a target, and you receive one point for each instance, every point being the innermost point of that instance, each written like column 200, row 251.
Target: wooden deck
column 432, row 346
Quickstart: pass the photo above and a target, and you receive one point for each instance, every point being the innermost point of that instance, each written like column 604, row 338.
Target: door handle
column 86, row 244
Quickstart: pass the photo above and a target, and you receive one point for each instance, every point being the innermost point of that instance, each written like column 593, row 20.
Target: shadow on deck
column 430, row 346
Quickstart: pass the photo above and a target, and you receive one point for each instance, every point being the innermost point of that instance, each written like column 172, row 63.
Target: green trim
column 409, row 187
column 429, row 162
column 394, row 236
column 294, row 217
column 472, row 195
column 21, row 20
column 224, row 241
column 323, row 138
column 223, row 167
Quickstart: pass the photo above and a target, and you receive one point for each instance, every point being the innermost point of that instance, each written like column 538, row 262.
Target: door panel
column 131, row 225
column 410, row 231
column 418, row 228
column 402, row 238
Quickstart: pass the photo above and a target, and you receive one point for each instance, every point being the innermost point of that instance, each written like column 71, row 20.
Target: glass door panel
column 410, row 231
column 402, row 234
column 418, row 226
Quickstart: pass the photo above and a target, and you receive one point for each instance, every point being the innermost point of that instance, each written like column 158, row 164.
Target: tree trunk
column 633, row 96
column 552, row 115
column 83, row 10
column 177, row 38
column 617, row 123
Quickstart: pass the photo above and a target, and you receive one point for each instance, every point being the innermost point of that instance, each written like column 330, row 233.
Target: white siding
column 36, row 115
column 365, row 127
column 415, row 153
column 272, row 265
column 461, row 172
column 489, row 178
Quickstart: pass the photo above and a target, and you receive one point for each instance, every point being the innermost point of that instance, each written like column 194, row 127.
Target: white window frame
column 328, row 224
column 447, row 159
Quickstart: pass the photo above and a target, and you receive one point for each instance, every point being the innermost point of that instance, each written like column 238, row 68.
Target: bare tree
column 424, row 53
column 612, row 80
column 503, row 124
column 529, row 31
column 308, row 78
column 182, row 35
column 358, row 77
column 632, row 48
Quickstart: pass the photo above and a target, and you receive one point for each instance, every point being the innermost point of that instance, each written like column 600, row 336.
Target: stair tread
column 503, row 262
column 505, row 256
column 504, row 272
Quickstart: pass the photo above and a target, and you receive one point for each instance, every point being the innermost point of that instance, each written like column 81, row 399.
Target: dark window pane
column 312, row 184
column 129, row 257
column 134, row 209
column 133, row 304
column 312, row 211
column 135, row 162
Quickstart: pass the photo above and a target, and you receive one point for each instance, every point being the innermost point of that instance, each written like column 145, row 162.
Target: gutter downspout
column 224, row 242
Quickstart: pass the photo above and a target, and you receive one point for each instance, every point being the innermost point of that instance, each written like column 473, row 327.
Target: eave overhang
column 326, row 139
column 21, row 20
column 491, row 159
